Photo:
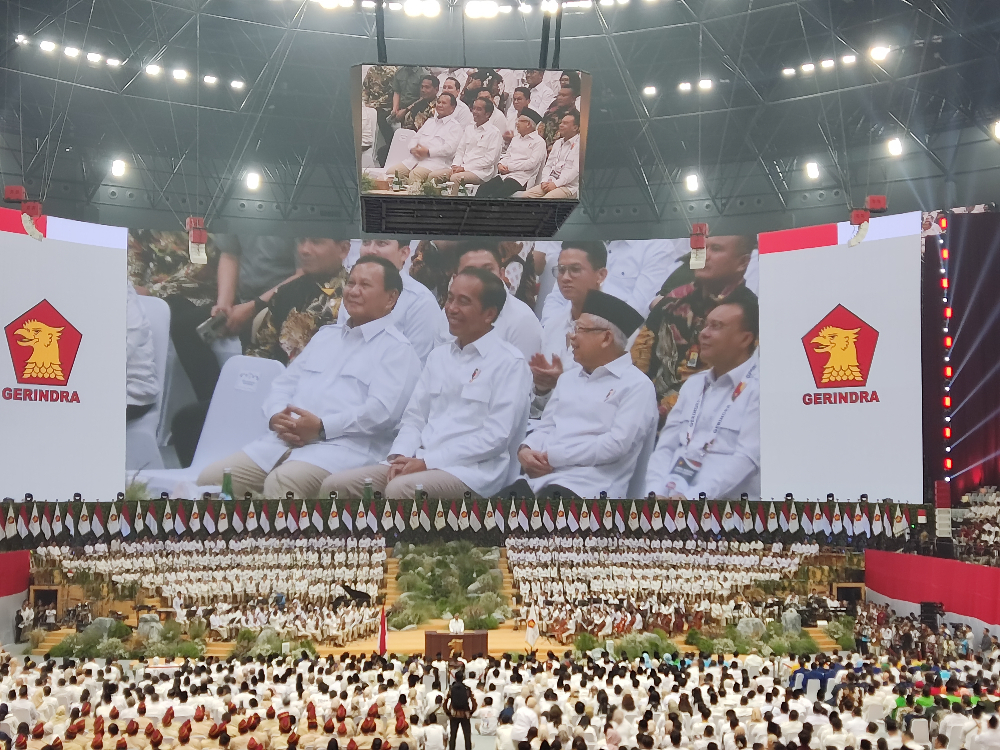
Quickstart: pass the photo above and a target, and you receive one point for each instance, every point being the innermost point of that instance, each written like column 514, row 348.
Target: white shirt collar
column 370, row 329
column 737, row 374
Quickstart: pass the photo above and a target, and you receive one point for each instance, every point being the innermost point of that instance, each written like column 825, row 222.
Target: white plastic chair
column 920, row 729
column 874, row 712
column 141, row 448
column 234, row 418
column 797, row 684
column 812, row 690
column 637, row 485
column 399, row 149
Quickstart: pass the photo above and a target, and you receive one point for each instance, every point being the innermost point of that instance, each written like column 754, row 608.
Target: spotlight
column 607, row 2
column 118, row 167
column 253, row 180
column 649, row 91
column 947, row 419
column 328, row 4
column 947, row 449
column 947, row 479
column 996, row 130
column 947, row 463
column 579, row 4
column 691, row 182
column 346, row 3
column 71, row 52
column 367, row 3
column 826, row 64
column 849, row 59
column 432, row 8
column 705, row 84
column 210, row 80
column 525, row 8
column 47, row 46
column 93, row 57
column 113, row 62
column 808, row 68
column 684, row 86
column 180, row 75
column 153, row 69
column 413, row 8
column 237, row 85
column 788, row 72
column 895, row 146
column 879, row 53
column 812, row 170
column 395, row 6
column 21, row 39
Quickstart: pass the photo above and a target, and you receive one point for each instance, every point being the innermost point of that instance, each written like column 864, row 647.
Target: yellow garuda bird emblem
column 841, row 345
column 44, row 361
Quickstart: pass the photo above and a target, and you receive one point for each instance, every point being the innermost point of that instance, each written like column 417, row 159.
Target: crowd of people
column 321, row 588
column 497, row 132
column 977, row 535
column 355, row 702
column 613, row 586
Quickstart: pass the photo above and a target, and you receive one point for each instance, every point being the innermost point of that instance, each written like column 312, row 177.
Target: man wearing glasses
column 581, row 269
column 599, row 416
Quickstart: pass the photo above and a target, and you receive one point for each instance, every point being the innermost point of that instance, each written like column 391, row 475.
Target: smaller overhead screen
column 469, row 150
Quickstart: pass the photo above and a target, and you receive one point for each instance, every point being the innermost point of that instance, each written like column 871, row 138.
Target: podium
column 468, row 644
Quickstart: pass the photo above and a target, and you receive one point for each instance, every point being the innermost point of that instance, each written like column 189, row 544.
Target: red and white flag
column 180, row 525
column 669, row 518
column 474, row 522
column 372, row 516
column 208, row 521
column 500, row 516
column 547, row 517
column 645, row 519
column 292, row 518
column 97, row 522
column 453, row 516
column 47, row 521
column 125, row 525
column 150, row 519
column 620, row 518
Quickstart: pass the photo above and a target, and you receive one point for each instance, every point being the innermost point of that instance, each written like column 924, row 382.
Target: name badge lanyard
column 718, row 423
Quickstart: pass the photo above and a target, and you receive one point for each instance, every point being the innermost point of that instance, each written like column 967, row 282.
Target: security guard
column 711, row 440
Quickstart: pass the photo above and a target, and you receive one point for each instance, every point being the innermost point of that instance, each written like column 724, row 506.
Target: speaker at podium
column 442, row 644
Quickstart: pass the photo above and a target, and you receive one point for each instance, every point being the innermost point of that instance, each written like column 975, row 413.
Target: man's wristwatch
column 322, row 432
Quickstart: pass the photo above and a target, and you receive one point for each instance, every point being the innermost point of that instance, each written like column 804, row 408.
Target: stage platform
column 503, row 640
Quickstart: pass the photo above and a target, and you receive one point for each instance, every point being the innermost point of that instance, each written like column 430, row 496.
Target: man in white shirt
column 416, row 314
column 599, row 417
column 581, row 269
column 517, row 324
column 520, row 100
column 462, row 112
column 456, row 626
column 520, row 165
column 542, row 94
column 524, row 719
column 711, row 440
column 471, row 399
column 338, row 403
column 561, row 173
column 638, row 268
column 476, row 159
column 435, row 144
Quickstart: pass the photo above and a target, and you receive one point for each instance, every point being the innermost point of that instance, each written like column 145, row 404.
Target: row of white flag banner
column 32, row 523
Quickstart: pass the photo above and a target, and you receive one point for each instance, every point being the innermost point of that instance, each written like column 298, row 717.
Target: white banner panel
column 840, row 393
column 62, row 371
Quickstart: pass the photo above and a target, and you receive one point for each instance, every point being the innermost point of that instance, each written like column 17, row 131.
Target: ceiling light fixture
column 895, row 146
column 153, row 69
column 691, row 182
column 812, row 170
column 849, row 59
column 21, row 39
column 788, row 72
column 705, row 84
column 210, row 80
column 996, row 130
column 113, row 62
column 525, row 8
column 367, row 3
column 432, row 8
column 808, row 68
column 253, row 180
column 879, row 53
column 180, row 75
column 649, row 91
column 118, row 168
column 237, row 85
column 71, row 52
column 93, row 57
column 684, row 86
column 47, row 46
column 826, row 64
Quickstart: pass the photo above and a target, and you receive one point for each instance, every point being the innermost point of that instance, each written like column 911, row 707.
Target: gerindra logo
column 43, row 346
column 840, row 349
